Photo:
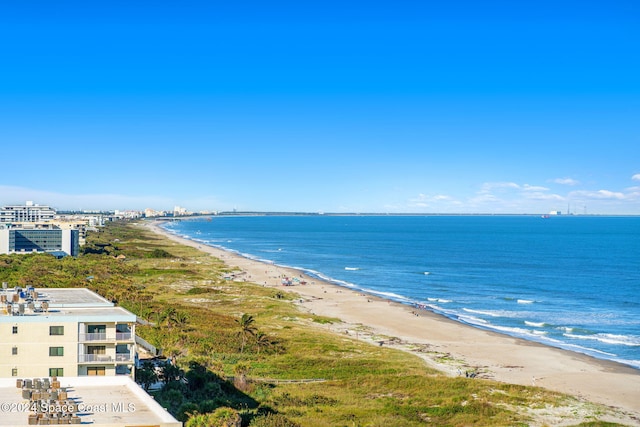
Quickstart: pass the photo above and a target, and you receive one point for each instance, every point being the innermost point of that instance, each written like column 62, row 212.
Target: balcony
column 124, row 336
column 124, row 357
column 101, row 336
column 92, row 358
column 106, row 358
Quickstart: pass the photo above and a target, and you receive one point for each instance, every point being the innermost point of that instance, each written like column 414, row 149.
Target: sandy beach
column 467, row 349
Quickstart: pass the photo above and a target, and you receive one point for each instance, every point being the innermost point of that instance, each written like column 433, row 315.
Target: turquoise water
column 571, row 282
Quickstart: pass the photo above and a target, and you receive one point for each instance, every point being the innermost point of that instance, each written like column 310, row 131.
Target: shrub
column 272, row 420
column 197, row 291
column 159, row 253
column 222, row 417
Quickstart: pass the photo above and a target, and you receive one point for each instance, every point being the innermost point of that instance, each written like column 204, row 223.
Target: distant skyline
column 390, row 107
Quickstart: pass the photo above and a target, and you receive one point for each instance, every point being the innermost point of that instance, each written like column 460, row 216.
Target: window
column 95, row 370
column 15, row 329
column 122, row 327
column 56, row 330
column 122, row 370
column 56, row 351
column 96, row 349
column 14, row 351
column 96, row 329
column 56, row 372
column 14, row 372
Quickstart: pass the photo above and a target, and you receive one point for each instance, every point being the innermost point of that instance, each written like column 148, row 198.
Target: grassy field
column 247, row 347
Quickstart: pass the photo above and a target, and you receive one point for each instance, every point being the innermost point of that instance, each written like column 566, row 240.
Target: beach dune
column 468, row 350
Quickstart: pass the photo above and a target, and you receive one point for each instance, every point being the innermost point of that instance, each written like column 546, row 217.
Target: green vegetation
column 227, row 417
column 243, row 353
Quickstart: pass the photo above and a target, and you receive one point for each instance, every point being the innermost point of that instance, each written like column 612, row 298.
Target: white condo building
column 64, row 332
column 28, row 212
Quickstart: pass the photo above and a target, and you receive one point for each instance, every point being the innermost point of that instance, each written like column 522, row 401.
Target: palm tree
column 262, row 340
column 181, row 319
column 168, row 315
column 246, row 329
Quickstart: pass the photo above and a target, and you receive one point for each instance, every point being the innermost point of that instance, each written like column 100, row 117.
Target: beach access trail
column 447, row 345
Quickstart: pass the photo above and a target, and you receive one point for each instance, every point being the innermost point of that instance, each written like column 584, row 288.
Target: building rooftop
column 26, row 305
column 72, row 297
column 114, row 401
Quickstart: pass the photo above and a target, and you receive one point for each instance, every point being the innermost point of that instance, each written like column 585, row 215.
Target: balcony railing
column 103, row 336
column 102, row 358
column 105, row 358
column 124, row 336
column 123, row 357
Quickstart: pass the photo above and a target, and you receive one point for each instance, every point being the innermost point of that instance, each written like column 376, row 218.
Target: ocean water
column 571, row 282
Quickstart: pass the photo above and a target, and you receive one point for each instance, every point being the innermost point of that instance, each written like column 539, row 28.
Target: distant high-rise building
column 29, row 212
column 179, row 210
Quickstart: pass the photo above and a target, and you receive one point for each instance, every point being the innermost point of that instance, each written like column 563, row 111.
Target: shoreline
column 452, row 347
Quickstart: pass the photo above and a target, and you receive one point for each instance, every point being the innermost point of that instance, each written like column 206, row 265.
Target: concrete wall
column 32, row 342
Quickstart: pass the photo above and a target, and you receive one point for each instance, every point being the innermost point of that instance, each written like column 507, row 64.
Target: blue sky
column 350, row 106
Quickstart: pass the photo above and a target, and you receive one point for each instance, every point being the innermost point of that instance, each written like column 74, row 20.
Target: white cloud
column 487, row 187
column 511, row 197
column 487, row 199
column 566, row 181
column 528, row 187
column 537, row 195
column 483, row 198
column 489, row 191
column 435, row 203
column 633, row 193
column 519, row 198
column 632, row 189
column 599, row 195
column 423, row 198
column 636, row 177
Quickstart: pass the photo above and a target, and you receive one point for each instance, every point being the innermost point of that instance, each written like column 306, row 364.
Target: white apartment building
column 179, row 211
column 49, row 332
column 29, row 212
column 149, row 213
